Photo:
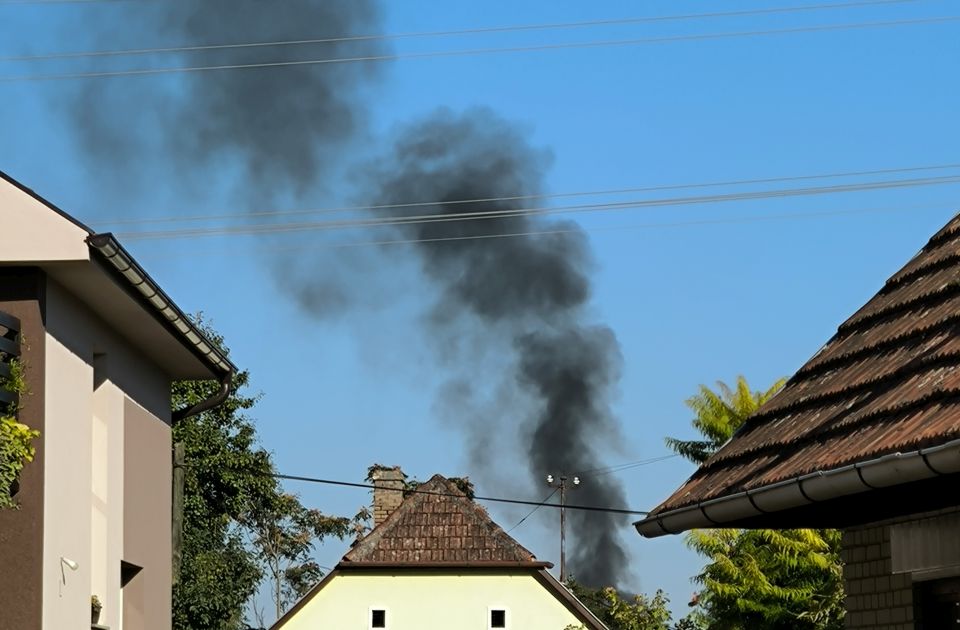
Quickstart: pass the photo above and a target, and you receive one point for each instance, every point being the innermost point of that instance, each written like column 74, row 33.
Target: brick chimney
column 388, row 495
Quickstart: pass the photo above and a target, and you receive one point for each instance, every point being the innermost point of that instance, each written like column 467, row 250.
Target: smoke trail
column 525, row 292
column 270, row 136
column 282, row 126
column 273, row 135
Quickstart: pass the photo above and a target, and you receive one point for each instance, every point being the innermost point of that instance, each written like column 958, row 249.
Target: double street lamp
column 561, row 483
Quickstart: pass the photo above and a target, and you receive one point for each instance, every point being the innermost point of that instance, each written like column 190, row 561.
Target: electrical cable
column 598, row 472
column 427, row 34
column 477, row 51
column 617, row 228
column 531, row 512
column 349, row 484
column 531, row 211
column 614, row 191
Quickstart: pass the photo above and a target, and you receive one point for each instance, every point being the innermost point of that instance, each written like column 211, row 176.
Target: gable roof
column 439, row 525
column 438, row 528
column 97, row 269
column 873, row 408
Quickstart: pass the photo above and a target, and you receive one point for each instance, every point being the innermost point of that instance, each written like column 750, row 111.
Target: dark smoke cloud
column 272, row 137
column 280, row 134
column 526, row 292
column 284, row 127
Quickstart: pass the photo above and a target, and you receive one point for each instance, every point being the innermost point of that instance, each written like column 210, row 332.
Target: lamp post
column 561, row 483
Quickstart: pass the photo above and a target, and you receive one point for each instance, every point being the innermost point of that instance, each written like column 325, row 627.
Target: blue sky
column 695, row 293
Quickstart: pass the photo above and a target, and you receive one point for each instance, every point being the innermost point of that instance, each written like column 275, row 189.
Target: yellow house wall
column 425, row 601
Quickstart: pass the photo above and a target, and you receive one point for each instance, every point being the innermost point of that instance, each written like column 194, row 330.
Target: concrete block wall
column 875, row 597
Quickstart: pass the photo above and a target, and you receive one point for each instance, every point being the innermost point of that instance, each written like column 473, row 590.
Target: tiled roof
column 441, row 528
column 887, row 382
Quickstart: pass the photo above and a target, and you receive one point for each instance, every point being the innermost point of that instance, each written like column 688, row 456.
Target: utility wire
column 477, row 51
column 428, row 34
column 593, row 193
column 531, row 512
column 334, row 482
column 597, row 472
column 617, row 228
column 532, row 211
column 4, row 2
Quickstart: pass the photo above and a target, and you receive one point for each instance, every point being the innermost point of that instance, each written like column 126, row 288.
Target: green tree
column 285, row 534
column 16, row 438
column 758, row 579
column 717, row 416
column 238, row 524
column 619, row 613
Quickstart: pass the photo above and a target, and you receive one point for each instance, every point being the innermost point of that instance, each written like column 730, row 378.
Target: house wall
column 107, row 472
column 879, row 588
column 147, row 515
column 32, row 233
column 432, row 599
column 21, row 530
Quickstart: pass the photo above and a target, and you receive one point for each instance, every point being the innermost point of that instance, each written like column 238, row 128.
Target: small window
column 498, row 618
column 378, row 618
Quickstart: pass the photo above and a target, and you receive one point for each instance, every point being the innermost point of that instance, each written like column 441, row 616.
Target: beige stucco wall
column 107, row 472
column 146, row 512
column 66, row 500
column 432, row 600
column 31, row 232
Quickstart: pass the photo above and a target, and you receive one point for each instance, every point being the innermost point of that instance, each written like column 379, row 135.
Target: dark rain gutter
column 141, row 286
column 883, row 472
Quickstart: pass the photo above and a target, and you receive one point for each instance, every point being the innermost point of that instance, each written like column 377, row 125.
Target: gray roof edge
column 822, row 485
column 138, row 283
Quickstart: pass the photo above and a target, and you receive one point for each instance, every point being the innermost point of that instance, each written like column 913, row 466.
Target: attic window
column 378, row 618
column 498, row 618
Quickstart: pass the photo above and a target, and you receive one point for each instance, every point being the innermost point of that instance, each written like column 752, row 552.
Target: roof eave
column 109, row 252
column 467, row 564
column 883, row 472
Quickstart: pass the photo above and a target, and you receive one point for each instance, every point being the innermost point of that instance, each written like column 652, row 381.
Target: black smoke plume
column 526, row 292
column 284, row 128
column 282, row 132
column 273, row 136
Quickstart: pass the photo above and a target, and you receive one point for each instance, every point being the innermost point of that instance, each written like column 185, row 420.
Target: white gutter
column 883, row 472
column 164, row 307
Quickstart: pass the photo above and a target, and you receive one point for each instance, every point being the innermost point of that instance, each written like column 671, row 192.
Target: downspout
column 226, row 381
column 179, row 465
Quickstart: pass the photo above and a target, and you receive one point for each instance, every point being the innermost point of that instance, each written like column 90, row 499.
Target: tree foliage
column 771, row 579
column 238, row 524
column 16, row 438
column 718, row 415
column 758, row 579
column 620, row 613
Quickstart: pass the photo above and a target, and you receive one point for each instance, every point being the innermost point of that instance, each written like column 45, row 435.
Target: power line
column 617, row 228
column 598, row 472
column 531, row 512
column 427, row 34
column 3, row 2
column 478, row 51
column 593, row 193
column 532, row 211
column 349, row 484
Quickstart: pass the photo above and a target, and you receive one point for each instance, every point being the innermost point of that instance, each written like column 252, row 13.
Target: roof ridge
column 438, row 523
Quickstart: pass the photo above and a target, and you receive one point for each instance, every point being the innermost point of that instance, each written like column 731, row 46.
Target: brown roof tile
column 441, row 528
column 888, row 381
